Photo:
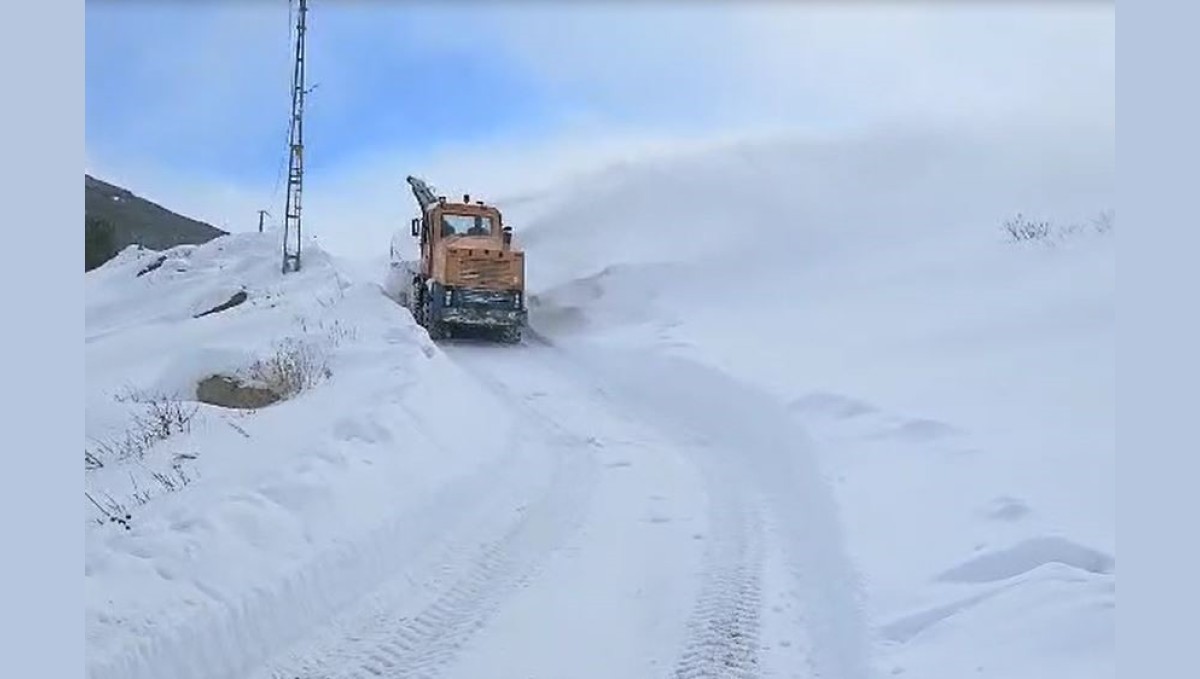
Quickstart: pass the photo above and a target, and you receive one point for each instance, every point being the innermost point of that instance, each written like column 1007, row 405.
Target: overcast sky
column 188, row 103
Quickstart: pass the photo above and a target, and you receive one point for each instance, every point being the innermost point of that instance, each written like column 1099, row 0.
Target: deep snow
column 794, row 409
column 269, row 537
column 959, row 388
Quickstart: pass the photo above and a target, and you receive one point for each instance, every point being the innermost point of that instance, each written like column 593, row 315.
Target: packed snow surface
column 787, row 410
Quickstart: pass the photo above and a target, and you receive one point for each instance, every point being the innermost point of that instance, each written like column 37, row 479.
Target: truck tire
column 511, row 334
column 417, row 303
column 437, row 330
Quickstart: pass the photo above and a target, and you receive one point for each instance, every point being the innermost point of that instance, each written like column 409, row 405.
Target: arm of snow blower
column 421, row 191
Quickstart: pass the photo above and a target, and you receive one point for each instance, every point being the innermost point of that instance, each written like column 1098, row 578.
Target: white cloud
column 934, row 62
column 811, row 63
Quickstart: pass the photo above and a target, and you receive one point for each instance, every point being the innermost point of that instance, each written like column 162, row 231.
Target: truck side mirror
column 416, row 222
column 507, row 231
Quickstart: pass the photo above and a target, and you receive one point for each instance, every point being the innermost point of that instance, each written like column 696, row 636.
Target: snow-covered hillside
column 248, row 527
column 797, row 409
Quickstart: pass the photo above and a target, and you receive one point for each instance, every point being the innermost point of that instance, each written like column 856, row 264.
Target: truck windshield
column 466, row 225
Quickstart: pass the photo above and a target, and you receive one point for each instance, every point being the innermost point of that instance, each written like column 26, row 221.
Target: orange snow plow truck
column 470, row 275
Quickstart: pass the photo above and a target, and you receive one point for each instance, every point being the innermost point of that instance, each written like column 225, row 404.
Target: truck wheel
column 437, row 330
column 511, row 334
column 417, row 303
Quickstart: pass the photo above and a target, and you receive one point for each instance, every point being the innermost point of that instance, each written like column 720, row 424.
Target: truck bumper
column 477, row 308
column 488, row 317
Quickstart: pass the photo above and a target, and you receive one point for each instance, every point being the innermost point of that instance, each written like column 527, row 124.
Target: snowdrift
column 959, row 384
column 216, row 535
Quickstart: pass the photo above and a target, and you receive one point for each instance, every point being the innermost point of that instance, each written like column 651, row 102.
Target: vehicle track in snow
column 722, row 636
column 729, row 463
column 421, row 645
column 750, row 450
column 723, row 632
column 416, row 625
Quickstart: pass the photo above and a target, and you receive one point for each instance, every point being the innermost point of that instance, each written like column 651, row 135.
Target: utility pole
column 260, row 219
column 291, row 216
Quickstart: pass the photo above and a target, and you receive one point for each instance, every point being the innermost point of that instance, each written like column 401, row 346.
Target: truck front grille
column 487, row 272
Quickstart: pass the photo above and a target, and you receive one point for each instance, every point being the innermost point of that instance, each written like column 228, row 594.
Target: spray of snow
column 958, row 387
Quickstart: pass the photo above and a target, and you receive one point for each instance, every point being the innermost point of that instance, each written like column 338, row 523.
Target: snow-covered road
column 606, row 545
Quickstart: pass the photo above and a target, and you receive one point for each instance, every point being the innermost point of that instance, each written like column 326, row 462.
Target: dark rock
column 228, row 392
column 152, row 266
column 228, row 304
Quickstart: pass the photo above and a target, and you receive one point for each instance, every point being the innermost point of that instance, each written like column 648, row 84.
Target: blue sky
column 187, row 102
column 374, row 85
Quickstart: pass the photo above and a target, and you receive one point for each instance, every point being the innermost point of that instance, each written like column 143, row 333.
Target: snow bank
column 959, row 387
column 247, row 527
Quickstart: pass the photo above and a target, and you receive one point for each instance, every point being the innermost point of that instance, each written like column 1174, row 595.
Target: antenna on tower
column 295, row 185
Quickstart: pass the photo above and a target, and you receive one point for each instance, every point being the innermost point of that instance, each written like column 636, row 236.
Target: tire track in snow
column 424, row 644
column 755, row 447
column 722, row 638
column 776, row 465
column 470, row 577
column 229, row 639
column 723, row 632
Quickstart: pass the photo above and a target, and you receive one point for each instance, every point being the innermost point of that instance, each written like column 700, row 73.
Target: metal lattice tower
column 295, row 184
